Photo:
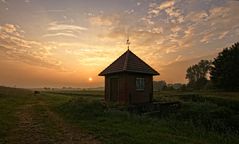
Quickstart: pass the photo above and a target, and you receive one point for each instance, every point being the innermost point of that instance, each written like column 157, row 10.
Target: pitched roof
column 129, row 62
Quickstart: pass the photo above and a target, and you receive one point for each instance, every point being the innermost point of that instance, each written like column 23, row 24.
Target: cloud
column 167, row 11
column 147, row 20
column 56, row 29
column 175, row 15
column 208, row 37
column 215, row 23
column 172, row 27
column 219, row 11
column 102, row 20
column 60, row 35
column 179, row 57
column 188, row 32
column 130, row 11
column 166, row 4
column 5, row 1
column 176, row 29
column 197, row 16
column 52, row 11
column 223, row 34
column 15, row 47
column 155, row 9
column 11, row 30
column 54, row 26
column 173, row 12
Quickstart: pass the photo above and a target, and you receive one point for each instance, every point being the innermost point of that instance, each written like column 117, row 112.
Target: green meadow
column 82, row 117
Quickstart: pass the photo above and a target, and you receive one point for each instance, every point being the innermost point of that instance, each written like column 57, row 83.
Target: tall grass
column 193, row 123
column 213, row 113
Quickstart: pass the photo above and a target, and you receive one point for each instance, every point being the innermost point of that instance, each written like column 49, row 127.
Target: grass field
column 80, row 117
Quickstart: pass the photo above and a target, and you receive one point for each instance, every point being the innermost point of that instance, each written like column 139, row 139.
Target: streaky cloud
column 56, row 27
column 60, row 34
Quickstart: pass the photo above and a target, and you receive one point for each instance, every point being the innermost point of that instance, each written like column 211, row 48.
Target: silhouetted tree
column 197, row 74
column 225, row 69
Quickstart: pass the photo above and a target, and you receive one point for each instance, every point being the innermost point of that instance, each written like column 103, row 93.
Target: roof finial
column 128, row 42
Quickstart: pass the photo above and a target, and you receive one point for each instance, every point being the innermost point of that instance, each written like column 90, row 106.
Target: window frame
column 140, row 83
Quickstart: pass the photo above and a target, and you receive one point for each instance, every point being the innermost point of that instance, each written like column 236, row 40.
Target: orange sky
column 64, row 43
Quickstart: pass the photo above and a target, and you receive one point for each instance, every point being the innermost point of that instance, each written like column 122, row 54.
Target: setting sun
column 90, row 79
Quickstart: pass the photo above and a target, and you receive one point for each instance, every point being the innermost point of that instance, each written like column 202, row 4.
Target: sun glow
column 90, row 79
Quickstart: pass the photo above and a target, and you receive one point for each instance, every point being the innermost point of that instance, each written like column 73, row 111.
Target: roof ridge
column 126, row 60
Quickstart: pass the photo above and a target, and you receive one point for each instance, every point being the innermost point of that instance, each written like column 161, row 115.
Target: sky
column 56, row 43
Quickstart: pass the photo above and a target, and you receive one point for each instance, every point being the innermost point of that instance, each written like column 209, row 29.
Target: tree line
column 220, row 73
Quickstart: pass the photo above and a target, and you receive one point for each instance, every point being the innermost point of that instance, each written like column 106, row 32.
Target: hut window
column 139, row 83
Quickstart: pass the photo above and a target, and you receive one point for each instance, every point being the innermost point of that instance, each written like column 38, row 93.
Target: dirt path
column 37, row 124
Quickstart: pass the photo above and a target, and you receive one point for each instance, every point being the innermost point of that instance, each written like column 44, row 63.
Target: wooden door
column 114, row 89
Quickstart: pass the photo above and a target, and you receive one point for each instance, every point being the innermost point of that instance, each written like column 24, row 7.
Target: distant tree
column 162, row 85
column 159, row 85
column 169, row 87
column 47, row 88
column 225, row 69
column 197, row 74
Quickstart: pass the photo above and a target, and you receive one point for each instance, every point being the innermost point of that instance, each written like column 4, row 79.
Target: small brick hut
column 129, row 80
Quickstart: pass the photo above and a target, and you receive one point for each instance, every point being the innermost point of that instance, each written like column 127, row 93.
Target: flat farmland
column 81, row 117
